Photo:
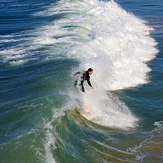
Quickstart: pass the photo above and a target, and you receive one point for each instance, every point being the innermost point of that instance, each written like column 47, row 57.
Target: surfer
column 84, row 76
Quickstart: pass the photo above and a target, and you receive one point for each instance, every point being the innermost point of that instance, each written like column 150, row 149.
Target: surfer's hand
column 72, row 75
column 92, row 87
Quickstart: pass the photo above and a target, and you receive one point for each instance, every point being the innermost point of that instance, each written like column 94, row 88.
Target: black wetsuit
column 85, row 76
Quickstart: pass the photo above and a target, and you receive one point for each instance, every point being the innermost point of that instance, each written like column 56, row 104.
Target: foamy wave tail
column 106, row 110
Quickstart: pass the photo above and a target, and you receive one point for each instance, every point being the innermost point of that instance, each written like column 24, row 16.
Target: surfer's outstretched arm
column 72, row 75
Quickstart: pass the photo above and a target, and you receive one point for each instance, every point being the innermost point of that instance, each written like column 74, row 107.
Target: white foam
column 121, row 42
column 159, row 125
column 107, row 110
column 50, row 141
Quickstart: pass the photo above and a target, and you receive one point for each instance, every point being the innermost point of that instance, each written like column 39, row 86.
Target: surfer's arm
column 75, row 74
column 89, row 83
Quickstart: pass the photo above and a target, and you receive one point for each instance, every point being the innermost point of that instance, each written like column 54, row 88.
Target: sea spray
column 106, row 110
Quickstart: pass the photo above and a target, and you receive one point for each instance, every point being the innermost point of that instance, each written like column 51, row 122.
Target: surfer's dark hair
column 90, row 69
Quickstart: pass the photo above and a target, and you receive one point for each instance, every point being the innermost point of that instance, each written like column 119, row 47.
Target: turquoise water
column 43, row 118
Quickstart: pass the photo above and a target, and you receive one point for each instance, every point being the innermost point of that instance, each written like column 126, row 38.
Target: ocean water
column 44, row 119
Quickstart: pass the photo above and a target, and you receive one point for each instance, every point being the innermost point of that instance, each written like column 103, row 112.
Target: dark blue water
column 43, row 118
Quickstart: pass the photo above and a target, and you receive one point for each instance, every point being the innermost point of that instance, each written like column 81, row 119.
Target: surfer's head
column 90, row 71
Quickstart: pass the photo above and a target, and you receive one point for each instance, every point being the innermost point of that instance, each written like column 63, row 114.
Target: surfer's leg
column 75, row 83
column 81, row 87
